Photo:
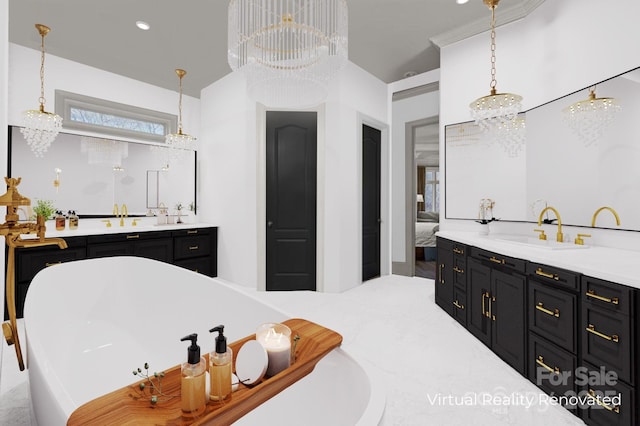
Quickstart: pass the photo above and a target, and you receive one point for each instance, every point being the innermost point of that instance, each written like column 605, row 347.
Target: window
column 111, row 118
column 431, row 190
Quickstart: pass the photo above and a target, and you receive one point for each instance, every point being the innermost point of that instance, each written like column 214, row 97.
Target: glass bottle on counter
column 60, row 221
column 73, row 219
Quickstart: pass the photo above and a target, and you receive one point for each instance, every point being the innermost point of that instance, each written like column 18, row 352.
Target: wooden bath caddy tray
column 130, row 405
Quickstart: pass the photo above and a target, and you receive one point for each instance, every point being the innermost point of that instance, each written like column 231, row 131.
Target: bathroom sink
column 535, row 242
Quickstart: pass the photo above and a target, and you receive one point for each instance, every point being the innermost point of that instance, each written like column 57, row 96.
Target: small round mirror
column 251, row 362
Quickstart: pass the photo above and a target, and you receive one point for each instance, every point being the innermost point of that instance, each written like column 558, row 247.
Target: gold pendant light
column 180, row 141
column 590, row 117
column 497, row 112
column 40, row 128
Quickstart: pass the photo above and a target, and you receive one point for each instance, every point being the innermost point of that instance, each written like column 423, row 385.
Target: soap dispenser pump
column 220, row 367
column 193, row 383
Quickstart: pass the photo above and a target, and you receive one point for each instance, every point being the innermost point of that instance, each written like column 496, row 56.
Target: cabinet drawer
column 554, row 276
column 459, row 272
column 552, row 314
column 612, row 403
column 551, row 368
column 499, row 260
column 191, row 232
column 607, row 340
column 127, row 236
column 460, row 306
column 186, row 247
column 607, row 295
column 29, row 263
column 201, row 265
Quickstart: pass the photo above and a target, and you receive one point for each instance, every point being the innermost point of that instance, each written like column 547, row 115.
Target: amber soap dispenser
column 220, row 366
column 193, row 385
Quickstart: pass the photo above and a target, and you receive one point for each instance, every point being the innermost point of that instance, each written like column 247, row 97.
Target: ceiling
column 388, row 38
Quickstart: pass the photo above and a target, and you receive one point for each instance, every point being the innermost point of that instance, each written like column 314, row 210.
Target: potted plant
column 179, row 208
column 44, row 209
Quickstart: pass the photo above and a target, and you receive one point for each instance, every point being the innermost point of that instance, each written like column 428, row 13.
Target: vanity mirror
column 93, row 174
column 556, row 167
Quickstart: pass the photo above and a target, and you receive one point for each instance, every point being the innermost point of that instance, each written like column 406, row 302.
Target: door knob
column 269, row 224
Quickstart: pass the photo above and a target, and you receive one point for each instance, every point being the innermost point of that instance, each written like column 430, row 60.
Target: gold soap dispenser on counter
column 13, row 230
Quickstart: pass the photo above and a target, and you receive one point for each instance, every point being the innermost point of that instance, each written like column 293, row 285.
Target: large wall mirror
column 94, row 174
column 575, row 173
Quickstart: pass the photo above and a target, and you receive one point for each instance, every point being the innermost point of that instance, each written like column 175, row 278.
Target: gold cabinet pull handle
column 591, row 293
column 494, row 260
column 592, row 329
column 132, row 237
column 614, row 409
column 540, row 362
column 554, row 313
column 493, row 299
column 52, row 263
column 540, row 272
column 194, row 231
column 441, row 274
column 458, row 305
column 484, row 312
column 193, row 247
column 458, row 251
column 458, row 270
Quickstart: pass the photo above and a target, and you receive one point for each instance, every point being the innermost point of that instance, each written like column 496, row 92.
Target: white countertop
column 99, row 227
column 615, row 265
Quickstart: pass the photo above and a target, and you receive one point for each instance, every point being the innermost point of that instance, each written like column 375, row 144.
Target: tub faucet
column 595, row 215
column 559, row 236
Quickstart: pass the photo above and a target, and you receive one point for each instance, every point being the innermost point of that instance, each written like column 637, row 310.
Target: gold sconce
column 56, row 181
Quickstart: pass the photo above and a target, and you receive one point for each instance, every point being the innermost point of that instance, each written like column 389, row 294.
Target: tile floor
column 435, row 372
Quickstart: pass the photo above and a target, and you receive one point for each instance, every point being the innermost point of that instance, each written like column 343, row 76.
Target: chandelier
column 590, row 117
column 181, row 141
column 104, row 151
column 496, row 112
column 40, row 128
column 289, row 50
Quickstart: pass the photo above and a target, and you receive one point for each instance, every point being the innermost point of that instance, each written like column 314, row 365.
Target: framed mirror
column 94, row 174
column 577, row 172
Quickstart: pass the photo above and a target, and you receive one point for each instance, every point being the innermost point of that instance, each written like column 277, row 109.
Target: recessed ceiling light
column 143, row 25
column 461, row 1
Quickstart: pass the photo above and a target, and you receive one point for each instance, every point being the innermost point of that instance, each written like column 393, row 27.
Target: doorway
column 291, row 193
column 371, row 170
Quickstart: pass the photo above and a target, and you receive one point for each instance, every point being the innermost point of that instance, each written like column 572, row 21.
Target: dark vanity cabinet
column 28, row 261
column 609, row 339
column 196, row 249
column 451, row 279
column 553, row 329
column 572, row 335
column 191, row 248
column 496, row 294
column 152, row 245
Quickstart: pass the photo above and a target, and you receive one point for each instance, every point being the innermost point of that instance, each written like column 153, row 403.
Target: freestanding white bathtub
column 89, row 323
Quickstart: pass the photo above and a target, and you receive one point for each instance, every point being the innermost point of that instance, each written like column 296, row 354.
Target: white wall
column 62, row 74
column 232, row 171
column 559, row 48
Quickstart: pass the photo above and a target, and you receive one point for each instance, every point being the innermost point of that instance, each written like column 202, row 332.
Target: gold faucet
column 595, row 215
column 124, row 212
column 12, row 231
column 115, row 211
column 559, row 236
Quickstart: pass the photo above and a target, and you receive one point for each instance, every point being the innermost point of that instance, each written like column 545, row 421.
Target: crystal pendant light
column 497, row 112
column 40, row 128
column 180, row 141
column 289, row 50
column 590, row 117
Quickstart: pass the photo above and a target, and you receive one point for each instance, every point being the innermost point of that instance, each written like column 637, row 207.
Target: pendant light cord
column 42, row 100
column 494, row 82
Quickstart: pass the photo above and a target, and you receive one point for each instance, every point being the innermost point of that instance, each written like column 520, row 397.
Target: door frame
column 261, row 184
column 385, row 191
column 411, row 177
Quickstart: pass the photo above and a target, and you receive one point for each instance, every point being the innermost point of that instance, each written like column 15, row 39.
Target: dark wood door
column 291, row 200
column 508, row 332
column 371, row 151
column 479, row 300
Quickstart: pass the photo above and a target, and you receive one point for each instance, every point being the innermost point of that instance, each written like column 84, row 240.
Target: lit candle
column 276, row 339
